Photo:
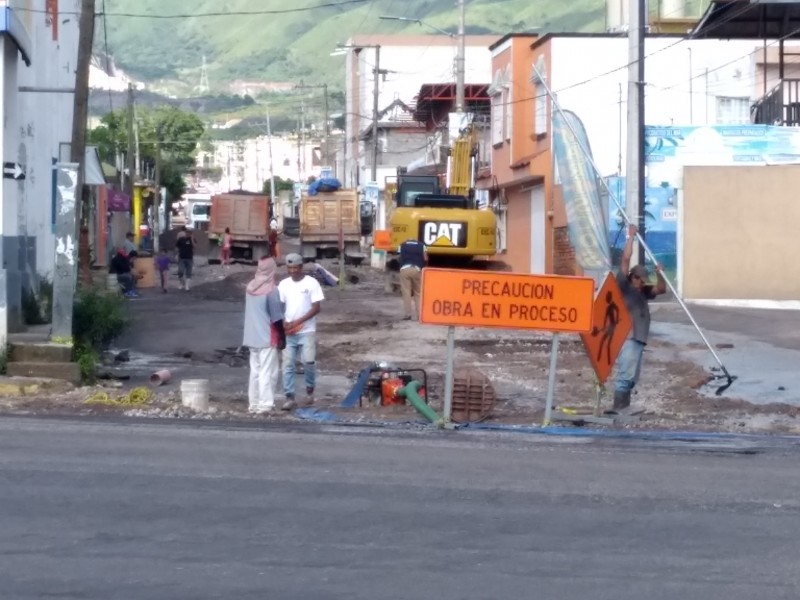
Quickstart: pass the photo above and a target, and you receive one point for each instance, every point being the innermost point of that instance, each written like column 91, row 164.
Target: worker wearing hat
column 302, row 297
column 637, row 292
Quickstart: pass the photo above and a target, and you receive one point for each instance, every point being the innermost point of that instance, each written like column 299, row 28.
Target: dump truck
column 247, row 215
column 330, row 221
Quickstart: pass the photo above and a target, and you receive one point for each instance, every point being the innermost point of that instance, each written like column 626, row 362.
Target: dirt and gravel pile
column 195, row 333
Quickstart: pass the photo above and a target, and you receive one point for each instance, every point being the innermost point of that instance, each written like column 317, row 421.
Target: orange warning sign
column 506, row 300
column 610, row 327
column 382, row 239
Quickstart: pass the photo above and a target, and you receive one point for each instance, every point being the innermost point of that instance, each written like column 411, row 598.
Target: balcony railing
column 781, row 105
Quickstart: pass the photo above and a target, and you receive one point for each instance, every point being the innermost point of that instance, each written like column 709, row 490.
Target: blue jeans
column 306, row 345
column 629, row 365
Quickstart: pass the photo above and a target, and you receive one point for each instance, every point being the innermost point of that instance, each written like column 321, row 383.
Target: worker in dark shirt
column 121, row 266
column 185, row 246
column 413, row 257
column 637, row 292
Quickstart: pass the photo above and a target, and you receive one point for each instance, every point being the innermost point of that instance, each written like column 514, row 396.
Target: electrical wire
column 232, row 13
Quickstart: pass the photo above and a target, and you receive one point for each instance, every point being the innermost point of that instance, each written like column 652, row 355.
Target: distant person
column 302, row 297
column 162, row 266
column 227, row 242
column 185, row 246
column 273, row 239
column 121, row 266
column 264, row 335
column 130, row 246
column 637, row 293
column 413, row 257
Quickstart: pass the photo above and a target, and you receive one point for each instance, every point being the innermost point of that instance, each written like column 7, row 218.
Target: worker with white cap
column 301, row 296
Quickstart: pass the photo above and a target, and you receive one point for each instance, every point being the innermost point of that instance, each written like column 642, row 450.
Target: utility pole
column 634, row 175
column 460, row 57
column 271, row 167
column 131, row 157
column 299, row 167
column 327, row 126
column 376, row 94
column 68, row 230
column 303, row 132
column 157, row 199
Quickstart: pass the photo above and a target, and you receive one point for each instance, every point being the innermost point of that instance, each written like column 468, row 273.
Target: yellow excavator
column 447, row 221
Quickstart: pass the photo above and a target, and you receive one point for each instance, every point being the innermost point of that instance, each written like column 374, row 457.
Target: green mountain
column 163, row 42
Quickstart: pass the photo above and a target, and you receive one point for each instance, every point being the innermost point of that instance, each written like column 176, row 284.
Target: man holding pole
column 637, row 293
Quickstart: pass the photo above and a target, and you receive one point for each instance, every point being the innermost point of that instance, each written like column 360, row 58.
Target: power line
column 278, row 11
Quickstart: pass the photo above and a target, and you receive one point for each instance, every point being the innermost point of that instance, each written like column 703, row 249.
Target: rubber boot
column 622, row 400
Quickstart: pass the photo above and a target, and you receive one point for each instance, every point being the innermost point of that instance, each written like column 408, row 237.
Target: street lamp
column 459, row 53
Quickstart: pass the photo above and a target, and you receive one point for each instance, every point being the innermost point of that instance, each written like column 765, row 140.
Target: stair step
column 68, row 371
column 42, row 352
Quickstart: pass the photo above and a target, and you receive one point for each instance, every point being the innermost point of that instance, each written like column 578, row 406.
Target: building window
column 733, row 111
column 539, row 79
column 497, row 119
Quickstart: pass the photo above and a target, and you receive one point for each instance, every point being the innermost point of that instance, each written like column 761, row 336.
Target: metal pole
column 131, row 156
column 303, row 132
column 634, row 172
column 551, row 381
column 341, row 250
column 299, row 168
column 327, row 126
column 691, row 92
column 619, row 156
column 460, row 57
column 157, row 198
column 271, row 169
column 375, row 114
column 642, row 183
column 448, row 374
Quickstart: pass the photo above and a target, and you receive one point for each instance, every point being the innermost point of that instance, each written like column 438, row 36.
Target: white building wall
column 245, row 164
column 684, row 80
column 45, row 122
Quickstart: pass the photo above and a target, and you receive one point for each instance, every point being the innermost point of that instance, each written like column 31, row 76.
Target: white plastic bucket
column 194, row 394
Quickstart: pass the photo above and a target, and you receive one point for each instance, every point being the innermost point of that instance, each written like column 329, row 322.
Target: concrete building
column 405, row 64
column 39, row 50
column 245, row 164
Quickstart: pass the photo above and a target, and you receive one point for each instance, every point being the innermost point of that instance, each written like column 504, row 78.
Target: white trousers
column 263, row 378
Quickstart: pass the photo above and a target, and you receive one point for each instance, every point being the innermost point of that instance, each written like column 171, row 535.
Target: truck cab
column 200, row 215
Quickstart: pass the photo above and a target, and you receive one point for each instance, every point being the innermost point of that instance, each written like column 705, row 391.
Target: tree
column 280, row 185
column 110, row 136
column 175, row 132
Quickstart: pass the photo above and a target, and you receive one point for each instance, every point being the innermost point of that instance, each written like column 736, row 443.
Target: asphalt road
column 148, row 511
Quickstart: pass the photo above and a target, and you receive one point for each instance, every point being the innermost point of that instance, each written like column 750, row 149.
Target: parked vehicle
column 329, row 221
column 196, row 210
column 200, row 215
column 247, row 215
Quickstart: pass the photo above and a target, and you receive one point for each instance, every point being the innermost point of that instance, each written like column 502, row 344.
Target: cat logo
column 442, row 234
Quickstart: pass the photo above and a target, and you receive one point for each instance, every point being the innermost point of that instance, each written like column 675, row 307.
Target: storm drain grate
column 473, row 396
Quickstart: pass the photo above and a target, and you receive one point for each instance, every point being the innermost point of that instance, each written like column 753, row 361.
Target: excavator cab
column 446, row 220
